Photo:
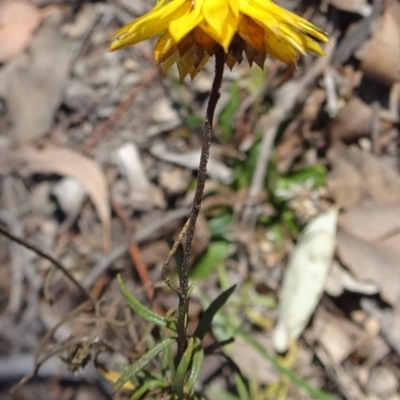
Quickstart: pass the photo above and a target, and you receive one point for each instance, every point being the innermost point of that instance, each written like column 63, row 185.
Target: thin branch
column 48, row 257
column 170, row 255
column 201, row 179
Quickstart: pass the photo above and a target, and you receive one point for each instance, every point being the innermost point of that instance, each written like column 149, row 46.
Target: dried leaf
column 358, row 175
column 66, row 162
column 380, row 56
column 18, row 20
column 353, row 121
column 369, row 243
column 305, row 278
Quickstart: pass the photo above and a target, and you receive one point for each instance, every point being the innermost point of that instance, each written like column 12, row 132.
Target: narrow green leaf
column 171, row 363
column 171, row 319
column 197, row 364
column 138, row 307
column 208, row 316
column 191, row 288
column 241, row 387
column 182, row 369
column 216, row 253
column 142, row 362
column 149, row 385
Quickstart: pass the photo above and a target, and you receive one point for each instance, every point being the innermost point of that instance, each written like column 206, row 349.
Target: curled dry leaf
column 368, row 245
column 353, row 121
column 380, row 56
column 305, row 278
column 340, row 279
column 18, row 20
column 68, row 163
column 357, row 175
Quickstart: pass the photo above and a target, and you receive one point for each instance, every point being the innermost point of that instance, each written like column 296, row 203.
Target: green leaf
column 197, row 364
column 315, row 174
column 208, row 263
column 241, row 387
column 171, row 319
column 171, row 363
column 193, row 121
column 208, row 316
column 219, row 225
column 182, row 369
column 149, row 385
column 191, row 288
column 138, row 307
column 142, row 362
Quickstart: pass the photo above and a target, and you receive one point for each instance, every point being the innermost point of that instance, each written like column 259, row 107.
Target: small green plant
column 173, row 379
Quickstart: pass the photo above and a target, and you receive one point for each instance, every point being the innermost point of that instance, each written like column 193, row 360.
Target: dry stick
column 198, row 197
column 48, row 257
column 170, row 254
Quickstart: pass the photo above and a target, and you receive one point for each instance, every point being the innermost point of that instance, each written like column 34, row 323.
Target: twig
column 141, row 269
column 170, row 255
column 18, row 259
column 48, row 257
column 201, row 179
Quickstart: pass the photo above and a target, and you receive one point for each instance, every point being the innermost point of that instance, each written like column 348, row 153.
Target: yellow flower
column 193, row 30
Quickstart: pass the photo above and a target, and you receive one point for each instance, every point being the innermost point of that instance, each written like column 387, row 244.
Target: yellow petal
column 164, row 48
column 279, row 49
column 184, row 23
column 222, row 22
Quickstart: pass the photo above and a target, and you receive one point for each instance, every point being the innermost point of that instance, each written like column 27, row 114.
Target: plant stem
column 201, row 179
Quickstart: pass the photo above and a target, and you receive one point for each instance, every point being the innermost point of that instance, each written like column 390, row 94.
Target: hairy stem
column 201, row 179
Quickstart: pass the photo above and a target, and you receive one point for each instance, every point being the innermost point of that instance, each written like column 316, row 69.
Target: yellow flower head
column 193, row 30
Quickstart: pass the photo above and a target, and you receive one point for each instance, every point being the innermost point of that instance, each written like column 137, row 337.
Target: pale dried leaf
column 70, row 195
column 380, row 56
column 341, row 279
column 305, row 278
column 68, row 163
column 216, row 169
column 353, row 121
column 333, row 336
column 373, row 222
column 18, row 20
column 371, row 262
column 358, row 176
